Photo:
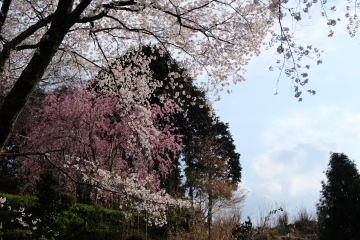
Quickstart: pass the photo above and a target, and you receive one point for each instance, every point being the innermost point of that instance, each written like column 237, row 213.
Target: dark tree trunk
column 210, row 208
column 49, row 44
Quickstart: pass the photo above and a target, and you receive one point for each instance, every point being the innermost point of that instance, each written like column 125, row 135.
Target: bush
column 283, row 222
column 73, row 222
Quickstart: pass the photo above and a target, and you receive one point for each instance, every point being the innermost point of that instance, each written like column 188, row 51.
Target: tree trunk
column 48, row 45
column 210, row 206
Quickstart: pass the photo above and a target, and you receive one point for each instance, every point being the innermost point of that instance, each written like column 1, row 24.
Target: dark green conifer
column 339, row 206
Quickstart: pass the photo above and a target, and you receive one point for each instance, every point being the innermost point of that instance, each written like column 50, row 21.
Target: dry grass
column 277, row 227
column 221, row 228
column 305, row 225
column 224, row 224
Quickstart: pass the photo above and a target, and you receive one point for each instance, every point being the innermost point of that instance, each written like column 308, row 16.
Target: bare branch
column 117, row 4
column 86, row 59
column 22, row 47
column 11, row 45
column 5, row 154
column 92, row 18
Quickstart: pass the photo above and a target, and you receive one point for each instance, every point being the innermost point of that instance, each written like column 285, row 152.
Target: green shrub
column 137, row 236
column 74, row 221
column 67, row 201
column 17, row 201
column 17, row 234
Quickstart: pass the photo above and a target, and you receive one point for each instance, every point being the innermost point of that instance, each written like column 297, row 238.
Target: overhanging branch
column 5, row 154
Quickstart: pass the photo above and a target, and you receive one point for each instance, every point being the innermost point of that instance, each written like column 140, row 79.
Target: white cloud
column 332, row 128
column 298, row 146
column 289, row 171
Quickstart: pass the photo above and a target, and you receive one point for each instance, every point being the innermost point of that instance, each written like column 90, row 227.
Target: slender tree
column 339, row 206
column 213, row 189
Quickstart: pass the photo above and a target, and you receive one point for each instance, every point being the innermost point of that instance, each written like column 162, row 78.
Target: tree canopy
column 44, row 42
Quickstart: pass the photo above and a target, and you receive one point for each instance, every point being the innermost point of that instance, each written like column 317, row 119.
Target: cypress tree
column 339, row 206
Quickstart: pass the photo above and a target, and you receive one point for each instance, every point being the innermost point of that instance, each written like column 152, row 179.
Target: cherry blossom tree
column 95, row 141
column 44, row 41
column 88, row 126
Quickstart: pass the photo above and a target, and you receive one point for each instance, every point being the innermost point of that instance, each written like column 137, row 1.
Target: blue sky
column 285, row 144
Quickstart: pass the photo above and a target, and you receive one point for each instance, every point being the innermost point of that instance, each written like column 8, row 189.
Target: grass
column 280, row 226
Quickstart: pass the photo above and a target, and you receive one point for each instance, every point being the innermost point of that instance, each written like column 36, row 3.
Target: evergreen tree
column 339, row 206
column 220, row 131
column 49, row 194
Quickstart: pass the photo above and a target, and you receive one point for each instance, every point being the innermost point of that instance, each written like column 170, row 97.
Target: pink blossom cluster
column 98, row 140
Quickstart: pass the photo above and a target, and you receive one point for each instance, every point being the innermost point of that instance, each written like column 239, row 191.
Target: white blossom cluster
column 217, row 38
column 129, row 79
column 133, row 190
column 29, row 223
column 213, row 39
column 354, row 20
column 2, row 201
